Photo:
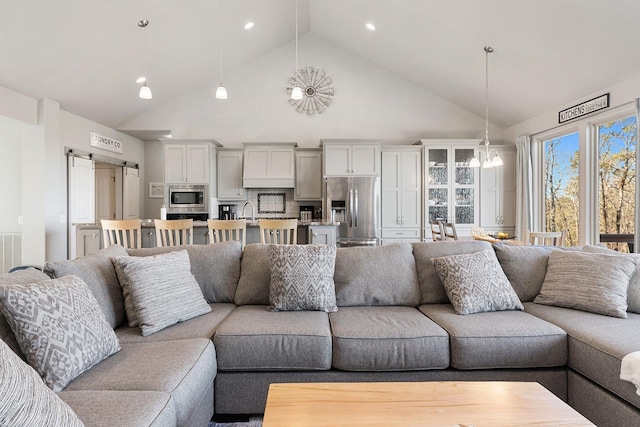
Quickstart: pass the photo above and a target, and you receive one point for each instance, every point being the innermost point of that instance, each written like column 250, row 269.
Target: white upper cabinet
column 186, row 163
column 498, row 193
column 269, row 166
column 402, row 188
column 230, row 174
column 308, row 174
column 351, row 159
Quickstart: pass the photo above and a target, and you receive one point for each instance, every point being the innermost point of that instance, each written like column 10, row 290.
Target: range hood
column 269, row 165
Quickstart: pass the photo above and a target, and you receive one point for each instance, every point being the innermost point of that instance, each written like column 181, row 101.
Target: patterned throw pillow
column 585, row 281
column 59, row 327
column 302, row 277
column 25, row 400
column 159, row 290
column 476, row 283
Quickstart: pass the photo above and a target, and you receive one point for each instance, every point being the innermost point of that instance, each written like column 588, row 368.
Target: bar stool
column 279, row 231
column 124, row 232
column 221, row 230
column 173, row 232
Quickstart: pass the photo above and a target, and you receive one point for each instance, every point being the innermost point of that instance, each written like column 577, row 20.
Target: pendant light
column 221, row 92
column 296, row 91
column 489, row 161
column 145, row 90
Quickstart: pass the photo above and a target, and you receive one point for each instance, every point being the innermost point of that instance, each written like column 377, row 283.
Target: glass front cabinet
column 451, row 185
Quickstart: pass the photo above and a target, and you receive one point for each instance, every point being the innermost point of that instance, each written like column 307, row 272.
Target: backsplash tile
column 292, row 207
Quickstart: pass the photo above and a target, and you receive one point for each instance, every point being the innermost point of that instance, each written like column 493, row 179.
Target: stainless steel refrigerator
column 354, row 202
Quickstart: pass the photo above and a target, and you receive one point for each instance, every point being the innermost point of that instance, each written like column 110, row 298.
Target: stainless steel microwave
column 187, row 198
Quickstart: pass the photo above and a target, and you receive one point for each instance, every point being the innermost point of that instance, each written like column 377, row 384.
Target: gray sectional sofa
column 394, row 323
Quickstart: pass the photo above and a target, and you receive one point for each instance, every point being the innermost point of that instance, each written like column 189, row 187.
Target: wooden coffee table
column 462, row 404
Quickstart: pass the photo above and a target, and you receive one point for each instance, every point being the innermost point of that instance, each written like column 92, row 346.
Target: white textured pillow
column 302, row 277
column 475, row 283
column 159, row 290
column 59, row 327
column 25, row 400
column 585, row 281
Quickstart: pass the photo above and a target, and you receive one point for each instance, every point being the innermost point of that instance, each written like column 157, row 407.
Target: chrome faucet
column 253, row 211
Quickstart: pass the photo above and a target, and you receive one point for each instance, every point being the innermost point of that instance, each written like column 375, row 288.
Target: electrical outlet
column 20, row 220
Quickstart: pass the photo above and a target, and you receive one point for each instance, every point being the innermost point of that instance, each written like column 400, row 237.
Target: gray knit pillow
column 302, row 277
column 159, row 290
column 59, row 326
column 585, row 281
column 25, row 400
column 475, row 283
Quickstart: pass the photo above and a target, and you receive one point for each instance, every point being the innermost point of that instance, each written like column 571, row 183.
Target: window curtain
column 524, row 180
column 636, row 238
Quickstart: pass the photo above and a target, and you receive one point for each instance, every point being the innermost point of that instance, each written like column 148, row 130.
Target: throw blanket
column 630, row 369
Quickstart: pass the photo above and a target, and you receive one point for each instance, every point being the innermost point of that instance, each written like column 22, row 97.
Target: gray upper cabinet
column 186, row 163
column 308, row 174
column 230, row 174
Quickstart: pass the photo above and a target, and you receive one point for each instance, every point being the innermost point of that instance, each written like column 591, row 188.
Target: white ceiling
column 86, row 54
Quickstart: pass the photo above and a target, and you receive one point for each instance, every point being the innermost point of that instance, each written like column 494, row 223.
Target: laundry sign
column 587, row 107
column 105, row 143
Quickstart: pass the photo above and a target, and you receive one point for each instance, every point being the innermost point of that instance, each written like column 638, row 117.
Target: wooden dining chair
column 173, row 232
column 449, row 229
column 547, row 238
column 437, row 231
column 221, row 230
column 279, row 231
column 124, row 232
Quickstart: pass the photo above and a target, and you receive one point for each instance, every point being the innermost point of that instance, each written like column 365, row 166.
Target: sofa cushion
column 633, row 293
column 387, row 339
column 431, row 287
column 501, row 339
column 587, row 281
column 203, row 326
column 476, row 283
column 25, row 400
column 59, row 327
column 96, row 270
column 597, row 344
column 159, row 290
column 302, row 277
column 29, row 275
column 255, row 276
column 254, row 339
column 380, row 275
column 122, row 408
column 216, row 267
column 185, row 369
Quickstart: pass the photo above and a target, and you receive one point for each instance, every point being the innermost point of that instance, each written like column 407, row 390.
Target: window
column 617, row 142
column 561, row 185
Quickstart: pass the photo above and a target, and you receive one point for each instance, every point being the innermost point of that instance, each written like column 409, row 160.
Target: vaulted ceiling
column 87, row 54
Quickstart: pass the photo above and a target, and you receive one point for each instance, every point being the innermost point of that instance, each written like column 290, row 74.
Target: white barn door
column 130, row 193
column 81, row 182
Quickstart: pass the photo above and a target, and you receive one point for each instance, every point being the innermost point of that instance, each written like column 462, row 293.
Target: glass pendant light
column 145, row 90
column 221, row 91
column 296, row 91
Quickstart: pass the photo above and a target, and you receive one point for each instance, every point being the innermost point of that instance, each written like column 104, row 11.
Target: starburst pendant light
column 491, row 157
column 145, row 90
column 221, row 92
column 296, row 91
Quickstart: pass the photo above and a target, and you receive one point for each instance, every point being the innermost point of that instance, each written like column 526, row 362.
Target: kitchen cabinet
column 229, row 178
column 88, row 240
column 351, row 159
column 186, row 163
column 322, row 234
column 451, row 185
column 402, row 193
column 269, row 166
column 498, row 193
column 308, row 174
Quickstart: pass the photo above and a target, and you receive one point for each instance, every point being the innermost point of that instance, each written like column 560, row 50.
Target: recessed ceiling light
column 249, row 25
column 141, row 80
column 370, row 26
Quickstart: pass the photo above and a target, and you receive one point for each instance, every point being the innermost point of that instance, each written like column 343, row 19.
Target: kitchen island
column 89, row 236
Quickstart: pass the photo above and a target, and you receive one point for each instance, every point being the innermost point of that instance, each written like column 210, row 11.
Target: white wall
column 369, row 102
column 621, row 93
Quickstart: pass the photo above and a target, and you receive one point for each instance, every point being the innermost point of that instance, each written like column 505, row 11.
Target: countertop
column 149, row 223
